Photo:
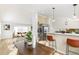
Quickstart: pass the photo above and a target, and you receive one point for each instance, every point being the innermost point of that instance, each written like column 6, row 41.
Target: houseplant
column 29, row 37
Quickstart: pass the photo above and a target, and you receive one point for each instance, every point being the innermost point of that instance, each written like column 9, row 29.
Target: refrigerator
column 42, row 31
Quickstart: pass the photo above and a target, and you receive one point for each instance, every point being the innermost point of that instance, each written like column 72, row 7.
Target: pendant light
column 74, row 5
column 74, row 17
column 53, row 15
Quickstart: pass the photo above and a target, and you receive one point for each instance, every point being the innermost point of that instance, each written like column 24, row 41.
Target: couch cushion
column 6, row 46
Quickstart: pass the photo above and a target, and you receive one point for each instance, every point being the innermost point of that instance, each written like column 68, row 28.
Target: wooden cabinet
column 43, row 20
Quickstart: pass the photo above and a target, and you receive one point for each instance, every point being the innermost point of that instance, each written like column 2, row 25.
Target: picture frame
column 7, row 27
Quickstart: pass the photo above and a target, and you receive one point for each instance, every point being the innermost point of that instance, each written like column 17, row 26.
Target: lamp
column 53, row 15
column 74, row 16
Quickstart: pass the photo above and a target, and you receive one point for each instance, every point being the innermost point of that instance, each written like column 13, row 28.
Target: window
column 21, row 29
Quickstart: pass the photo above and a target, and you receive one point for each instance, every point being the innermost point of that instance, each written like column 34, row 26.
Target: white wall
column 73, row 23
column 6, row 33
column 59, row 23
column 0, row 30
column 9, row 33
column 15, row 15
column 63, row 23
column 22, row 15
column 51, row 25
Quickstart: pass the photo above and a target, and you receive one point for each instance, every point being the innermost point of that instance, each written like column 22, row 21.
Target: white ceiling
column 25, row 11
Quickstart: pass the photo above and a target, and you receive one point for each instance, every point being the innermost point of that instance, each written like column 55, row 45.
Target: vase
column 29, row 43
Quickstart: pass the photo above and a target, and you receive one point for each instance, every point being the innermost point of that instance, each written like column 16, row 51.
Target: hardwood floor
column 39, row 50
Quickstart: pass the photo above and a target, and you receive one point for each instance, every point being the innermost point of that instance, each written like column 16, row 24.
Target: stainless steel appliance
column 42, row 31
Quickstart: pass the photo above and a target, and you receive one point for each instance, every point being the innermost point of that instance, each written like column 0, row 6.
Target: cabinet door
column 61, row 43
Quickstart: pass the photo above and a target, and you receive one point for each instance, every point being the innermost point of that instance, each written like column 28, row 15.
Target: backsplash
column 72, row 30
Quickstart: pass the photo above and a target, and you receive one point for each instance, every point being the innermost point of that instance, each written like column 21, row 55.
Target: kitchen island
column 61, row 39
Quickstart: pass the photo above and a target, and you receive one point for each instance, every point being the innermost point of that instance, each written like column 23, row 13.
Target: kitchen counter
column 61, row 39
column 68, row 34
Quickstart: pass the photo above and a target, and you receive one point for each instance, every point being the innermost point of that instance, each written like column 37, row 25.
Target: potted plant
column 29, row 38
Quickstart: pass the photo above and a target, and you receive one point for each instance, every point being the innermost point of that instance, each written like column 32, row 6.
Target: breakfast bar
column 61, row 39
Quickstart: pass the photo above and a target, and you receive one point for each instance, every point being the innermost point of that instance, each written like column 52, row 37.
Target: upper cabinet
column 43, row 20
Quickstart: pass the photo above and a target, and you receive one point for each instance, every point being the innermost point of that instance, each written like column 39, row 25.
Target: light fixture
column 74, row 17
column 53, row 15
column 74, row 5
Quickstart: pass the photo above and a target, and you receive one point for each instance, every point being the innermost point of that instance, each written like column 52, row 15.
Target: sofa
column 7, row 47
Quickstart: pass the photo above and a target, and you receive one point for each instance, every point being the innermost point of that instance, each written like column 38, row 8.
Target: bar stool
column 73, row 43
column 50, row 38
